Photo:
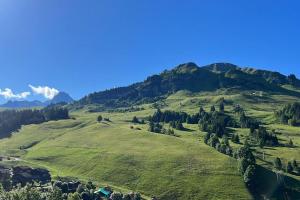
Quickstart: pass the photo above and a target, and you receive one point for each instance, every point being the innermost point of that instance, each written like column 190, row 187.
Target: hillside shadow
column 271, row 185
column 188, row 130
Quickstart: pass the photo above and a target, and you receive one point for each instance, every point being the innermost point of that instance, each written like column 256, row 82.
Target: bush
column 99, row 118
column 116, row 196
column 74, row 196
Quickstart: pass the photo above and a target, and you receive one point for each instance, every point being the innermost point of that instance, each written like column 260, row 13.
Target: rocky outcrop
column 22, row 175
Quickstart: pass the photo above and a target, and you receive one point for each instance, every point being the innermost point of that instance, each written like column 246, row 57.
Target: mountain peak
column 61, row 97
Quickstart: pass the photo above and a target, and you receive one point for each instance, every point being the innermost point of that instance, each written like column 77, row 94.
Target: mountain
column 22, row 104
column 61, row 97
column 191, row 77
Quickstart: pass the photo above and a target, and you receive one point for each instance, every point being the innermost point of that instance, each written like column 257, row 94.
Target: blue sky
column 85, row 46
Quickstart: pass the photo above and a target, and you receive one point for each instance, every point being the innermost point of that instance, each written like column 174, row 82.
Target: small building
column 104, row 192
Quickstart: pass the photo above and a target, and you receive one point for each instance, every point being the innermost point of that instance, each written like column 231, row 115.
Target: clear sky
column 81, row 46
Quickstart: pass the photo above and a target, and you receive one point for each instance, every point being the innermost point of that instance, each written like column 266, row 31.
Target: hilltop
column 193, row 78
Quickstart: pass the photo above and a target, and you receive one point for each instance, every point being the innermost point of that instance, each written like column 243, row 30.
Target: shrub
column 116, row 196
column 74, row 196
column 99, row 118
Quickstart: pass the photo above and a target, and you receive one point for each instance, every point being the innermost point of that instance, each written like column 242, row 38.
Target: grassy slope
column 169, row 167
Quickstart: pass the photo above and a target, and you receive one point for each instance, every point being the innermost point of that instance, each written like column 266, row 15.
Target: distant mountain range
column 61, row 97
column 193, row 78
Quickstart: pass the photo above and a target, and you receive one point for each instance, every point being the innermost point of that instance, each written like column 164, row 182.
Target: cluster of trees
column 263, row 138
column 61, row 191
column 291, row 166
column 246, row 160
column 246, row 121
column 12, row 120
column 168, row 116
column 222, row 146
column 156, row 127
column 175, row 120
column 176, row 125
column 136, row 120
column 246, row 163
column 55, row 112
column 235, row 138
column 289, row 114
column 100, row 119
column 214, row 121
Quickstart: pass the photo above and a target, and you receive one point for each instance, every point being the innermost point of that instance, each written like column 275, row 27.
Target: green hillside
column 193, row 78
column 169, row 167
column 130, row 158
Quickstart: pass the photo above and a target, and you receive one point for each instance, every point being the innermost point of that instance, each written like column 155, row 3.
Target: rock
column 22, row 175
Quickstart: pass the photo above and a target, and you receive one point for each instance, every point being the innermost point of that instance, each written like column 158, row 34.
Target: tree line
column 12, row 120
column 289, row 114
column 61, row 191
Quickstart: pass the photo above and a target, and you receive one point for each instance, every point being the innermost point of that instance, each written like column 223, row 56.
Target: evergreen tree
column 201, row 110
column 290, row 144
column 206, row 137
column 212, row 109
column 294, row 164
column 135, row 120
column 289, row 167
column 225, row 140
column 243, row 163
column 249, row 174
column 221, row 107
column 277, row 163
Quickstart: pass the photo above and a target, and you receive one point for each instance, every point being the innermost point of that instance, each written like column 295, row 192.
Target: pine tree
column 289, row 167
column 277, row 163
column 221, row 107
column 212, row 109
column 99, row 119
column 249, row 174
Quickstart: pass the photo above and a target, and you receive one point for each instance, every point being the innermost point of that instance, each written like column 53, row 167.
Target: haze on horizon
column 80, row 47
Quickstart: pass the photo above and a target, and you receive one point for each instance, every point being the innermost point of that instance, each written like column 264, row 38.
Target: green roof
column 104, row 191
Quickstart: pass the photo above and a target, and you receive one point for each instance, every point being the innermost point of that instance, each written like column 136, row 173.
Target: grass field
column 168, row 167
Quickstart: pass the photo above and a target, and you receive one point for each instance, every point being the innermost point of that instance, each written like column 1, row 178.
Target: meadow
column 134, row 159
